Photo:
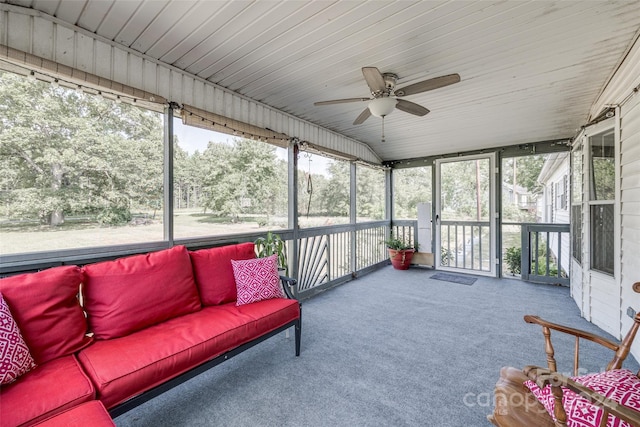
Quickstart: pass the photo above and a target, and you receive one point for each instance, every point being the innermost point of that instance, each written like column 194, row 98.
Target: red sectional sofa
column 138, row 326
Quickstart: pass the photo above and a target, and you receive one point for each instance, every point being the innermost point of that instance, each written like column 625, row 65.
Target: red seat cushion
column 124, row 367
column 49, row 389
column 267, row 315
column 45, row 306
column 131, row 293
column 214, row 274
column 88, row 414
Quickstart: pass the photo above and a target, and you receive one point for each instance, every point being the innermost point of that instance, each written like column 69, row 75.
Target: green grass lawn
column 80, row 232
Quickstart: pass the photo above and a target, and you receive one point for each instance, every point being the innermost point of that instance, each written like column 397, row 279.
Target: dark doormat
column 454, row 278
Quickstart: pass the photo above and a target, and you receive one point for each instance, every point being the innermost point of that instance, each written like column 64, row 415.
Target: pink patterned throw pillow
column 620, row 385
column 15, row 359
column 257, row 279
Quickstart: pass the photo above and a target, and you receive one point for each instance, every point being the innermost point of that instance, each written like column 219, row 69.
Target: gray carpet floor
column 392, row 348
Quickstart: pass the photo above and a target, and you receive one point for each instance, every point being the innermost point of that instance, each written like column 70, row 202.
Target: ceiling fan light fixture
column 383, row 106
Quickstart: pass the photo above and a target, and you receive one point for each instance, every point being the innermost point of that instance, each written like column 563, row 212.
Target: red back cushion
column 214, row 273
column 131, row 293
column 45, row 306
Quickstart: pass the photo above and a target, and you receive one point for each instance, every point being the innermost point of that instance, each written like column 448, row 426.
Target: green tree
column 68, row 153
column 527, row 169
column 465, row 190
column 335, row 195
column 241, row 177
column 410, row 187
column 370, row 194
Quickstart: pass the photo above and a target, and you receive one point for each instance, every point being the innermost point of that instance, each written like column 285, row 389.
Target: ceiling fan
column 385, row 97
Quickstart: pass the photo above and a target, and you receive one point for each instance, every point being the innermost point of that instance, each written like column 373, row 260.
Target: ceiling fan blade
column 374, row 79
column 340, row 101
column 429, row 84
column 362, row 117
column 411, row 107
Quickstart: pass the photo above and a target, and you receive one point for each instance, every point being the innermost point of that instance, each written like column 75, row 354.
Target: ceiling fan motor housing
column 390, row 80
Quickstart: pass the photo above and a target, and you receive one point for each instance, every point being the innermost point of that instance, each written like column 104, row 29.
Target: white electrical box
column 424, row 226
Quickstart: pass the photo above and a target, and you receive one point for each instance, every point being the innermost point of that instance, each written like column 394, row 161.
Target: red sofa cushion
column 49, row 389
column 214, row 274
column 45, row 306
column 124, row 367
column 131, row 293
column 88, row 414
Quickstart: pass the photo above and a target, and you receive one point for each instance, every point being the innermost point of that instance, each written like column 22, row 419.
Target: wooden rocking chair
column 516, row 406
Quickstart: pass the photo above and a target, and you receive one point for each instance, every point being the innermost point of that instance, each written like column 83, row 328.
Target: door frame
column 492, row 214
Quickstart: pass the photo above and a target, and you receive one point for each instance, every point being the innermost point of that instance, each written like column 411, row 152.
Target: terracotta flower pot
column 401, row 259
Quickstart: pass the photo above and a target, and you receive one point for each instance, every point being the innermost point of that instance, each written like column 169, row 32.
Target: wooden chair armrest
column 544, row 377
column 572, row 331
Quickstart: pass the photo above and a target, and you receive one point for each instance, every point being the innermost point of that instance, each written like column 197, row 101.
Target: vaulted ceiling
column 530, row 70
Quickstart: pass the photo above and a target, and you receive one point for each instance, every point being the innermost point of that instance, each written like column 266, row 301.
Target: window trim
column 607, row 126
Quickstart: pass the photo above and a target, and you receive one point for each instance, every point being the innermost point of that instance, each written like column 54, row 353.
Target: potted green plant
column 400, row 253
column 273, row 244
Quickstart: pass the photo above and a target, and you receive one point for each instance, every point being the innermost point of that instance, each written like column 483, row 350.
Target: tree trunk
column 478, row 198
column 57, row 216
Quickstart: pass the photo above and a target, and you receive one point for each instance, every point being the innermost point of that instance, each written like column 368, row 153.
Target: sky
column 191, row 138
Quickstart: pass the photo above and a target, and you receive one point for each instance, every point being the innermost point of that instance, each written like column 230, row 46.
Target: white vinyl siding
column 605, row 301
column 597, row 293
column 630, row 210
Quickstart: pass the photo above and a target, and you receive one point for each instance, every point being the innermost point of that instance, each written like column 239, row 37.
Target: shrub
column 513, row 258
column 115, row 215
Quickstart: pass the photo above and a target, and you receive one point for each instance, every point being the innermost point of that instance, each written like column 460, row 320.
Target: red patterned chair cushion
column 620, row 385
column 257, row 279
column 15, row 358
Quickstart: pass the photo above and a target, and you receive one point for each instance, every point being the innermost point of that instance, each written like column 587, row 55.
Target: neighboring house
column 553, row 203
column 518, row 196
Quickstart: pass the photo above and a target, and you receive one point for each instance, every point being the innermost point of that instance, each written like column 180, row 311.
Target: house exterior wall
column 596, row 293
column 44, row 36
column 630, row 205
column 604, row 299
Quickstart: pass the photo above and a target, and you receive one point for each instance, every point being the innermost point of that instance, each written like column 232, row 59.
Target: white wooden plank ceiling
column 530, row 70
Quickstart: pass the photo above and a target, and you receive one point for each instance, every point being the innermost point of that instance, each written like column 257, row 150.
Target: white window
column 602, row 200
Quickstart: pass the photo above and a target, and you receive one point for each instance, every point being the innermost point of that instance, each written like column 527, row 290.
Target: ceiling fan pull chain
column 382, row 128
